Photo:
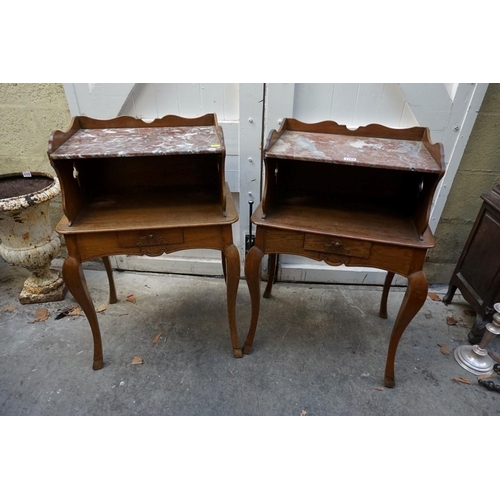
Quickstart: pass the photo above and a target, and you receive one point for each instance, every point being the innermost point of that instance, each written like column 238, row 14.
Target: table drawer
column 150, row 238
column 337, row 246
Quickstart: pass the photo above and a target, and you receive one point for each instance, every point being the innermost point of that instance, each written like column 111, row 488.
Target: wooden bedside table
column 136, row 188
column 359, row 198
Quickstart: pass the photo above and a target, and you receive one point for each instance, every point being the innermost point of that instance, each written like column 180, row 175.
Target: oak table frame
column 359, row 198
column 136, row 188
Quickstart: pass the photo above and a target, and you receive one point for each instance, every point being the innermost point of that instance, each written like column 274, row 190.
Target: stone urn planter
column 27, row 237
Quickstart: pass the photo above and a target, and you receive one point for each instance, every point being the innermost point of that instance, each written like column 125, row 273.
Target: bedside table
column 137, row 188
column 359, row 198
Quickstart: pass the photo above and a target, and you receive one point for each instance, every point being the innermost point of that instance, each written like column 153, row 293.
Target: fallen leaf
column 157, row 338
column 462, row 380
column 494, row 356
column 74, row 311
column 444, row 349
column 303, row 413
column 102, row 307
column 379, row 388
column 42, row 314
column 485, row 376
column 9, row 308
column 131, row 298
column 451, row 320
column 434, row 296
column 137, row 360
column 469, row 312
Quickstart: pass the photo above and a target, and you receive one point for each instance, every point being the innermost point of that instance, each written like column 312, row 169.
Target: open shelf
column 155, row 208
column 340, row 216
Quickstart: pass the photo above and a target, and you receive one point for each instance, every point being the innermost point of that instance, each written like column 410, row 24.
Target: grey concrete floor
column 319, row 350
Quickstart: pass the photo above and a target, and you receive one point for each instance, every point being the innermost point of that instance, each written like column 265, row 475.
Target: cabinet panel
column 483, row 257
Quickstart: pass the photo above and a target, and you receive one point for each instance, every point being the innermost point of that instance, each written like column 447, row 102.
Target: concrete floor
column 319, row 350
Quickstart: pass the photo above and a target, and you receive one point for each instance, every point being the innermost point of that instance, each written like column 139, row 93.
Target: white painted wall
column 352, row 104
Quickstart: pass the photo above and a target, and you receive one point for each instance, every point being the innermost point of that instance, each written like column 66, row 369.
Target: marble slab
column 354, row 150
column 146, row 141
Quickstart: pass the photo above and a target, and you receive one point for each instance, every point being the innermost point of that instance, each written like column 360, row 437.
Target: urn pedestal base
column 34, row 292
column 26, row 235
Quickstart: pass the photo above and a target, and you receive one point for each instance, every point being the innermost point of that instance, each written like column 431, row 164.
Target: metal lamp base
column 474, row 359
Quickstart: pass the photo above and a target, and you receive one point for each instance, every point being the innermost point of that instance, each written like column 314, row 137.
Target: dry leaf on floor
column 42, row 314
column 9, row 308
column 74, row 311
column 485, row 376
column 462, row 380
column 102, row 307
column 137, row 360
column 451, row 320
column 444, row 349
column 469, row 312
column 379, row 388
column 434, row 296
column 303, row 413
column 131, row 298
column 157, row 338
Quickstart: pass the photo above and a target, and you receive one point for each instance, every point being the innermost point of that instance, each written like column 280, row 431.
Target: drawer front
column 150, row 240
column 337, row 246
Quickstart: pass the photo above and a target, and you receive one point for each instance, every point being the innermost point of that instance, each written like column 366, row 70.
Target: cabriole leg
column 77, row 285
column 231, row 257
column 385, row 294
column 272, row 274
column 414, row 299
column 252, row 275
column 112, row 289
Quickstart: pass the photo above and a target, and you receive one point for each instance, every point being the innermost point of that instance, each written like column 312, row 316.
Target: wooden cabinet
column 137, row 188
column 477, row 273
column 359, row 198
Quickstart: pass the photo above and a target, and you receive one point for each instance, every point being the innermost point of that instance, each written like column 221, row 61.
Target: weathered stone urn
column 27, row 237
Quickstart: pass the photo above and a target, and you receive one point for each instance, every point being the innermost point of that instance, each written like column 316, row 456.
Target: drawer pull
column 337, row 247
column 151, row 240
column 145, row 239
column 349, row 248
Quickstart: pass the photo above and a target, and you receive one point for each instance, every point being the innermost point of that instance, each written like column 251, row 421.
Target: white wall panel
column 344, row 103
column 166, row 98
column 367, row 104
column 352, row 104
column 312, row 101
column 141, row 102
column 392, row 108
